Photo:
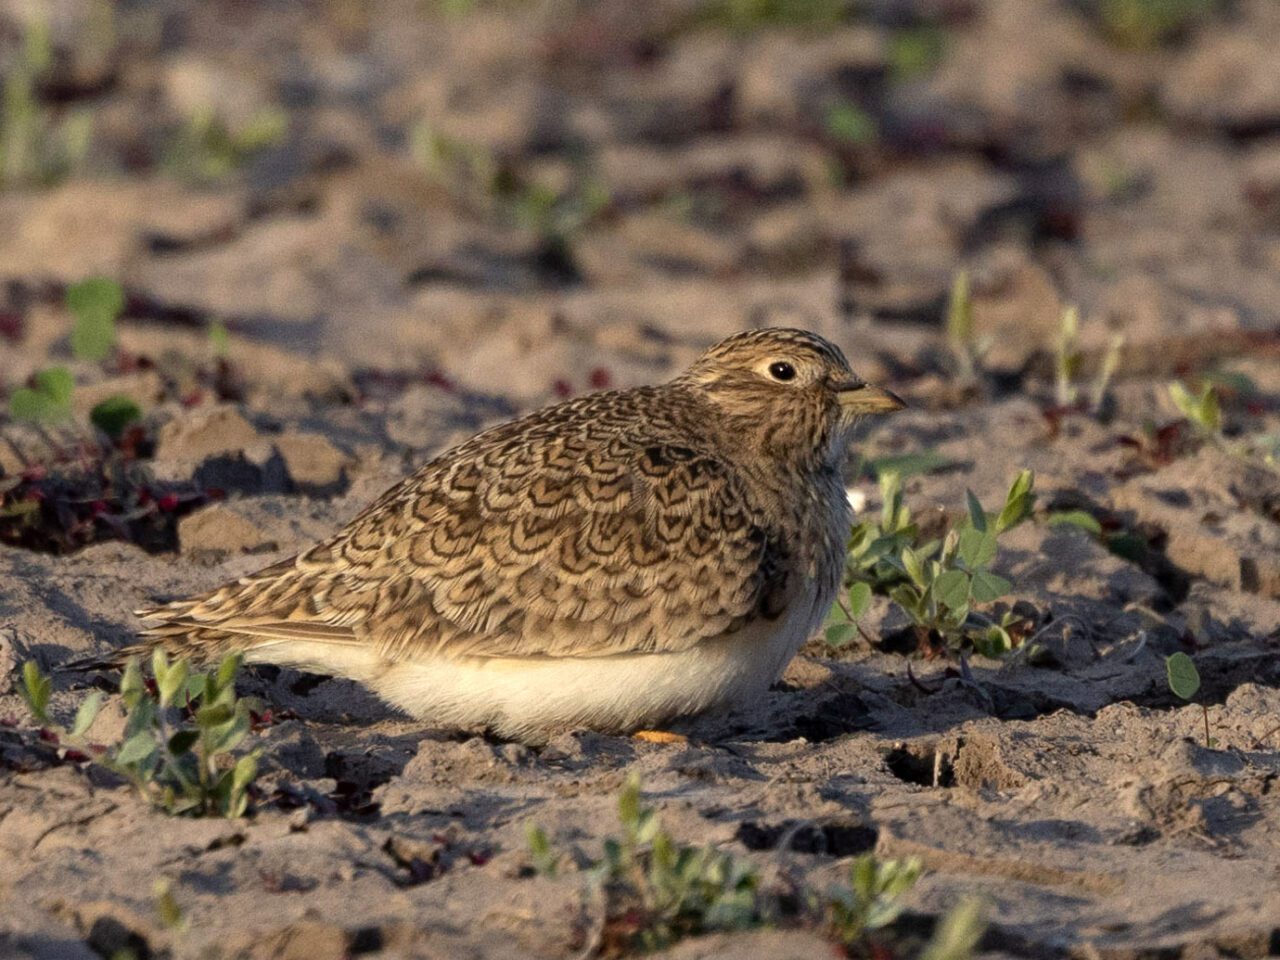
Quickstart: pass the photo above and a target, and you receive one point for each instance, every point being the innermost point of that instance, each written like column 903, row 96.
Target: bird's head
column 788, row 393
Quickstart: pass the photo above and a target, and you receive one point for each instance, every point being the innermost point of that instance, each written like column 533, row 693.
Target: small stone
column 8, row 658
column 195, row 437
column 314, row 464
column 220, row 528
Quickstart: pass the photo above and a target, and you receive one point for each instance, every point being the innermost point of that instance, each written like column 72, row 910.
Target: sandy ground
column 387, row 295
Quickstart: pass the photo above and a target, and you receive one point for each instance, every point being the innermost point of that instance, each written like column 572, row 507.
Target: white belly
column 537, row 697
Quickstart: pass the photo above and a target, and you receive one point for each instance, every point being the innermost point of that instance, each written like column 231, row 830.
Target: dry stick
column 1260, row 741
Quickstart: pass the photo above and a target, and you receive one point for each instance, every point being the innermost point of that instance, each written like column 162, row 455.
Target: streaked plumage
column 611, row 562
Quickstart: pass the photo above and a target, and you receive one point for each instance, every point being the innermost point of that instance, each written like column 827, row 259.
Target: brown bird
column 612, row 562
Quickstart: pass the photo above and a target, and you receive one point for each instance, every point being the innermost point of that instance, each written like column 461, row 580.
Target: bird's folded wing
column 559, row 546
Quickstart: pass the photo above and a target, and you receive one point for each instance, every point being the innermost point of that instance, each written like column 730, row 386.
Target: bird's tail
column 201, row 645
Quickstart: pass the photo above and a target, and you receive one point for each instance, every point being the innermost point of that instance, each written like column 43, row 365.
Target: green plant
column 938, row 583
column 966, row 346
column 915, row 52
column 219, row 339
column 47, row 400
column 873, row 898
column 114, row 414
column 848, row 123
column 95, row 305
column 464, row 169
column 556, row 217
column 1201, row 409
column 873, row 559
column 168, row 910
column 545, row 861
column 1144, row 24
column 179, row 735
column 1184, row 681
column 658, row 890
column 1070, row 359
column 750, row 15
column 958, row 933
column 36, row 146
column 206, row 148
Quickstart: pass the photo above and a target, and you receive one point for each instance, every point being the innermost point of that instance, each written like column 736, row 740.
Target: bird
column 614, row 562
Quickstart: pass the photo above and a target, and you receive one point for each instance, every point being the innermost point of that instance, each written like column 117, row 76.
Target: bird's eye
column 781, row 370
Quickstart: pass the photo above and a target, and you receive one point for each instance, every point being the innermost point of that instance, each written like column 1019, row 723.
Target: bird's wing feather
column 524, row 542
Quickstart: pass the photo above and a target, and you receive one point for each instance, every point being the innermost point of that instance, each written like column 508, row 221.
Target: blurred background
column 533, row 199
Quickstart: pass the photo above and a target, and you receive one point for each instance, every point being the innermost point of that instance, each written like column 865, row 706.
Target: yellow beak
column 861, row 398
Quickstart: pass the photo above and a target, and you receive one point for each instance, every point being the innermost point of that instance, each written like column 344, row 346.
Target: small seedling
column 937, row 583
column 180, row 733
column 1184, row 681
column 114, row 414
column 659, row 890
column 545, row 861
column 848, row 123
column 1202, row 409
column 967, row 348
column 95, row 305
column 915, row 52
column 207, row 148
column 656, row 891
column 36, row 146
column 168, row 910
column 873, row 899
column 1069, row 359
column 47, row 400
column 1145, row 24
column 958, row 932
column 219, row 339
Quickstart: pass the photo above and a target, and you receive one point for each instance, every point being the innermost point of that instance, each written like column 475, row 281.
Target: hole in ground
column 918, row 763
column 827, row 720
column 839, row 839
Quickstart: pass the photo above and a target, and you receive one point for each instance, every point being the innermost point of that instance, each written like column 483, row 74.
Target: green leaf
column 213, row 715
column 47, row 400
column 629, row 803
column 952, row 588
column 136, row 749
column 987, row 586
column 914, row 566
column 839, row 634
column 219, row 339
column 87, row 713
column 36, row 688
column 244, row 772
column 977, row 549
column 95, row 304
column 957, row 934
column 859, row 599
column 848, row 122
column 977, row 516
column 1184, row 678
column 994, row 642
column 113, row 414
column 908, row 464
column 97, row 296
column 1018, row 504
column 1076, row 518
column 132, row 686
column 56, row 383
column 227, row 669
column 175, row 680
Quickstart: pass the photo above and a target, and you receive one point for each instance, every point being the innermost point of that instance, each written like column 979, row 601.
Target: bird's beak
column 861, row 398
